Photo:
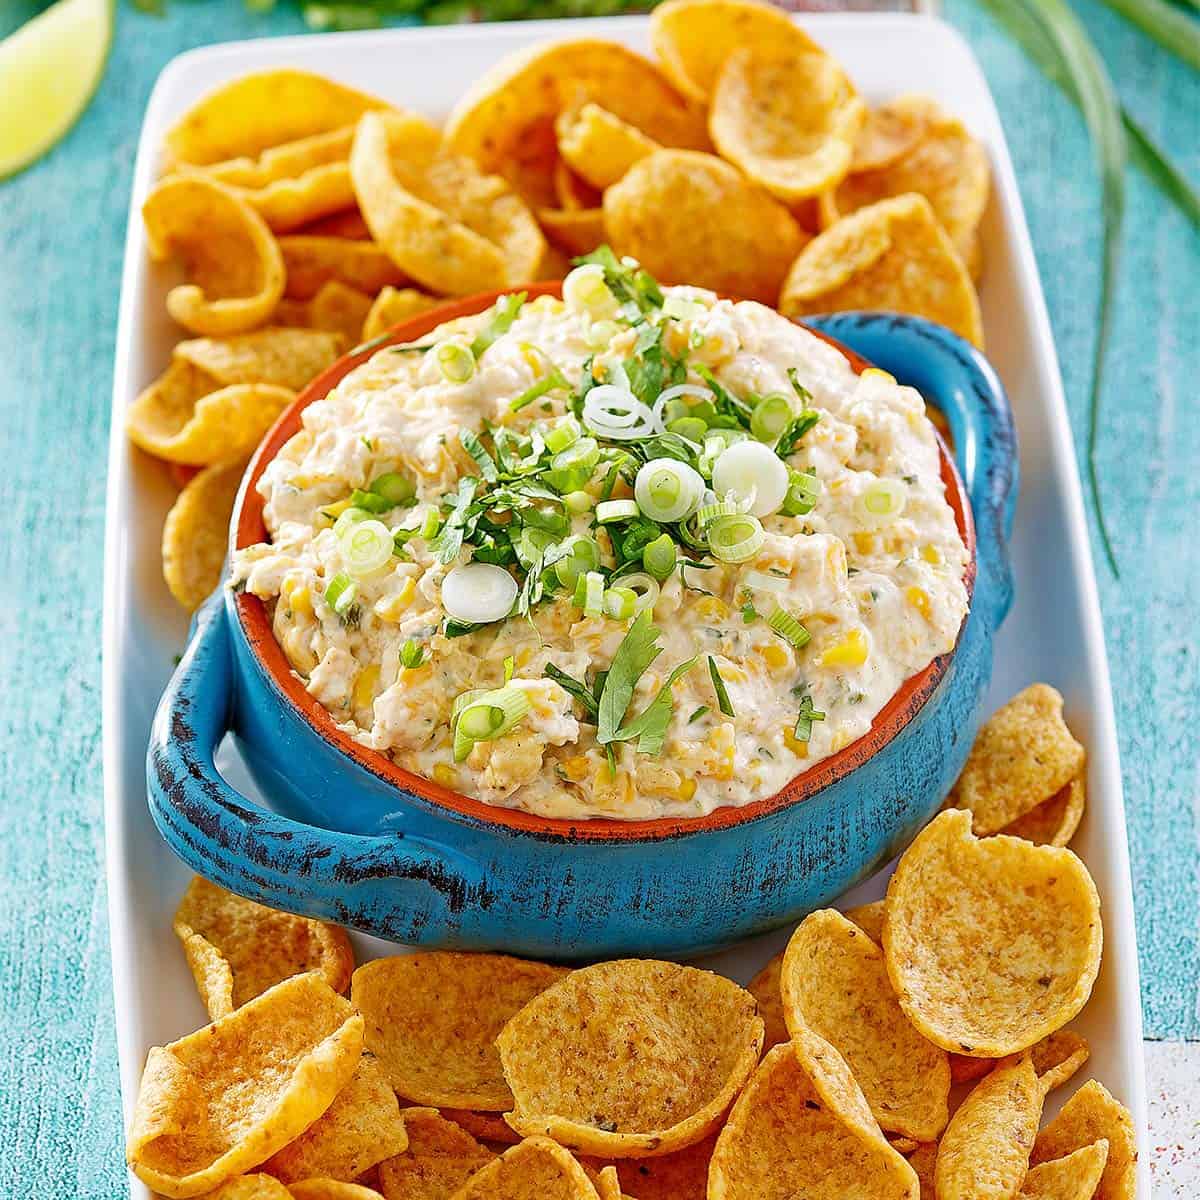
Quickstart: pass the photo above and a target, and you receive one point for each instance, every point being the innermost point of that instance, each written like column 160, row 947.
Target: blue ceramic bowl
column 352, row 838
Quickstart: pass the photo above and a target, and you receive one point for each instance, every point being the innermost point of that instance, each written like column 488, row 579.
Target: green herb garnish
column 808, row 714
column 723, row 701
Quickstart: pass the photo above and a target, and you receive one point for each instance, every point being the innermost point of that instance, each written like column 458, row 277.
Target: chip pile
column 903, row 1050
column 303, row 217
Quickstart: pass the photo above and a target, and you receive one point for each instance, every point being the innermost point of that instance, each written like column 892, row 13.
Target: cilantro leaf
column 483, row 460
column 572, row 686
column 449, row 541
column 723, row 701
column 726, row 404
column 650, row 725
column 631, row 285
column 636, row 652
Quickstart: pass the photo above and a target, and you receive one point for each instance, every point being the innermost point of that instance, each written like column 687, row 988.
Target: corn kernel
column 850, row 651
column 533, row 360
column 840, row 740
column 575, row 768
column 931, row 554
column 364, row 687
column 335, row 510
column 774, row 655
column 609, row 790
column 876, row 373
column 687, row 789
column 300, row 601
column 413, row 676
column 445, row 774
column 546, row 304
column 712, row 608
column 522, row 657
column 864, row 542
column 793, row 743
column 721, row 742
column 919, row 599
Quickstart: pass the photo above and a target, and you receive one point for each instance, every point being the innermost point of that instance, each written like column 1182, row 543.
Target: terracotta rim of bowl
column 252, row 612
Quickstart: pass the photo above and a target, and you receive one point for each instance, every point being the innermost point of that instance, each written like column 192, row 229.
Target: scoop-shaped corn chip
column 331, row 1189
column 234, row 269
column 360, row 1128
column 293, row 184
column 1075, row 1176
column 1023, row 754
column 608, row 1184
column 990, row 943
column 598, row 145
column 336, row 308
column 440, row 1158
column 1092, row 1113
column 287, row 358
column 251, row 1187
column 923, row 1161
column 248, row 115
column 432, row 1019
column 647, row 1057
column 312, row 261
column 673, row 207
column 571, row 192
column 486, row 1126
column 438, row 218
column 1054, row 821
column 535, row 1169
column 170, row 420
column 785, row 1139
column 194, row 542
column 245, row 948
column 890, row 131
column 1057, row 1057
column 869, row 918
column 575, row 230
column 682, row 1175
column 947, row 166
column 835, row 983
column 764, row 987
column 984, row 1153
column 893, row 256
column 346, row 224
column 505, row 122
column 225, row 1098
column 789, row 120
column 392, row 306
column 692, row 38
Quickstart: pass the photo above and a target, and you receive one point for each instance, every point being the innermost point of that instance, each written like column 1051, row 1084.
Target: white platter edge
column 1060, row 625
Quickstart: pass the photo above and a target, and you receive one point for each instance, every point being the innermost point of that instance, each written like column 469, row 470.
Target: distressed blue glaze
column 353, row 848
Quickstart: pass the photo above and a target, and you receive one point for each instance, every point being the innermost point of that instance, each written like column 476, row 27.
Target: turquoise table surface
column 62, row 227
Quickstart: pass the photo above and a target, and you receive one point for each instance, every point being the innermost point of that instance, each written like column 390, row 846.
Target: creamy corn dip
column 849, row 588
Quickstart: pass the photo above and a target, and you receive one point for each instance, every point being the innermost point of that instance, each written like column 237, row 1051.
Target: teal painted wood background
column 61, row 237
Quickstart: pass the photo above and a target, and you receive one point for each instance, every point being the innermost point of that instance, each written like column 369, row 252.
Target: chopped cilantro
column 723, row 701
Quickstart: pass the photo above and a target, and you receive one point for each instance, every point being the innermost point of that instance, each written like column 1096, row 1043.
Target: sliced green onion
column 735, row 538
column 585, row 291
column 771, row 417
column 340, row 593
column 762, row 582
column 504, row 313
column 566, row 433
column 674, row 410
column 478, row 592
column 455, row 361
column 488, row 716
column 553, row 379
column 802, row 494
column 583, row 556
column 532, row 543
column 589, row 593
column 412, row 654
column 667, row 489
column 578, row 502
column 619, row 603
column 351, row 516
column 808, row 714
column 644, row 587
column 682, row 308
column 430, row 525
column 583, row 452
column 723, row 701
column 789, row 628
column 566, row 480
column 370, row 502
column 510, row 665
column 698, row 713
column 752, row 469
column 366, row 547
column 692, row 428
column 658, row 557
column 599, row 334
column 395, row 488
column 882, row 501
column 708, row 513
column 616, row 510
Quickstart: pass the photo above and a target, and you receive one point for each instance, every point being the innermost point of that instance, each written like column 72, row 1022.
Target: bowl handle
column 250, row 850
column 957, row 378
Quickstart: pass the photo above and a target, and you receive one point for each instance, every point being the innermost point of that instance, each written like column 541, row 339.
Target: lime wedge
column 49, row 69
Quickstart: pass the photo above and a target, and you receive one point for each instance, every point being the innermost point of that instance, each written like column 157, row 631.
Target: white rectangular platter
column 1053, row 633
